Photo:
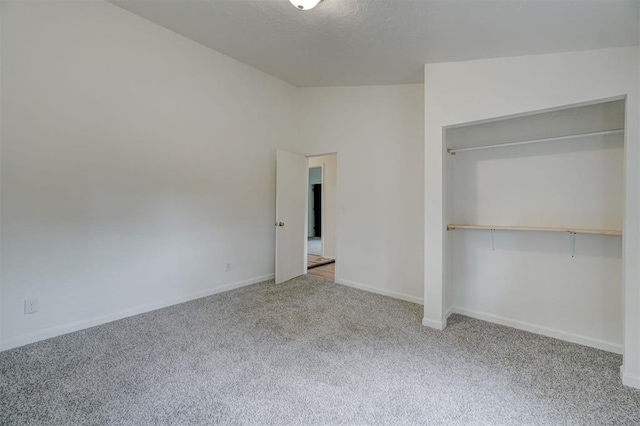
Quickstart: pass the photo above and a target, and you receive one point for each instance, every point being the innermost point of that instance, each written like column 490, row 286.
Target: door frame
column 321, row 167
column 337, row 211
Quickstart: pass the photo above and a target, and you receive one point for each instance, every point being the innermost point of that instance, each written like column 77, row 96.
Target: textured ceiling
column 366, row 42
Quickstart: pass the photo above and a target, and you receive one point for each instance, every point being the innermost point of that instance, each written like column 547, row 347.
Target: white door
column 292, row 176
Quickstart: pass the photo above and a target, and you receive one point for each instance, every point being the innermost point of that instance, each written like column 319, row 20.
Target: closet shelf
column 537, row 228
column 453, row 151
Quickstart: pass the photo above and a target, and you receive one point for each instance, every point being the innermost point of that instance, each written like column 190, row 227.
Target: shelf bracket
column 573, row 243
column 492, row 245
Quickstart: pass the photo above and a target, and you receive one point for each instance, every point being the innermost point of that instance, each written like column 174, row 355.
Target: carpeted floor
column 308, row 352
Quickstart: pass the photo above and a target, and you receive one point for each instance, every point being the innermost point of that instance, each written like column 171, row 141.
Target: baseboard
column 438, row 325
column 629, row 379
column 383, row 292
column 449, row 312
column 545, row 331
column 59, row 330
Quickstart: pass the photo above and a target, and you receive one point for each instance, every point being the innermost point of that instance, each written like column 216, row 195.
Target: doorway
column 314, row 221
column 321, row 220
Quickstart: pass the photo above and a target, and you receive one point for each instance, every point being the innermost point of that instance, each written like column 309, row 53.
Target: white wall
column 329, row 165
column 632, row 295
column 135, row 163
column 377, row 132
column 1, row 13
column 463, row 92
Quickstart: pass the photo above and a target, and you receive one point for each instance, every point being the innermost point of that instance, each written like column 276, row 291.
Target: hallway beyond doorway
column 321, row 267
column 326, row 271
column 314, row 246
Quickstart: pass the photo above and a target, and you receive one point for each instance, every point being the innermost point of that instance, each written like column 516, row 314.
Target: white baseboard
column 629, row 379
column 438, row 325
column 545, row 331
column 449, row 312
column 59, row 330
column 381, row 291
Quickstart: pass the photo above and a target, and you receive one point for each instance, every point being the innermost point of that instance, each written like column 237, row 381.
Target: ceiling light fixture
column 305, row 4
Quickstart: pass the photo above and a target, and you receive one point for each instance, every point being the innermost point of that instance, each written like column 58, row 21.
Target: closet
column 534, row 210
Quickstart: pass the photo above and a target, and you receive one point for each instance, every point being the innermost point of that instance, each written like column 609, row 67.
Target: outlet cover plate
column 30, row 306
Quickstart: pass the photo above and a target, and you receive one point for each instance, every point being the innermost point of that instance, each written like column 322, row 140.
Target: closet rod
column 556, row 138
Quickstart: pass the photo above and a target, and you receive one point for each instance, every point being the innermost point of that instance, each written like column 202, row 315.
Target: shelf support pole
column 453, row 151
column 492, row 245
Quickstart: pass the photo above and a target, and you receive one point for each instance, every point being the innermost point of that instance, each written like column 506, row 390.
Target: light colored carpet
column 308, row 352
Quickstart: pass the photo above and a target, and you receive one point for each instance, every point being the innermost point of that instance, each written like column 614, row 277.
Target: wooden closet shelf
column 537, row 228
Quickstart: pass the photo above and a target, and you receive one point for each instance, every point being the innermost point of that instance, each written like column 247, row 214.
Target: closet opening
column 534, row 208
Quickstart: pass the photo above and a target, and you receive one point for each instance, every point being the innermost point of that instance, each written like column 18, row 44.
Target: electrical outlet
column 228, row 266
column 30, row 306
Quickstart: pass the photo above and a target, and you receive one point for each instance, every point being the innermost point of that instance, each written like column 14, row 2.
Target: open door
column 292, row 176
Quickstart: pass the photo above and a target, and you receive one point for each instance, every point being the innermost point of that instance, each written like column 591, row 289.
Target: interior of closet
column 534, row 207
